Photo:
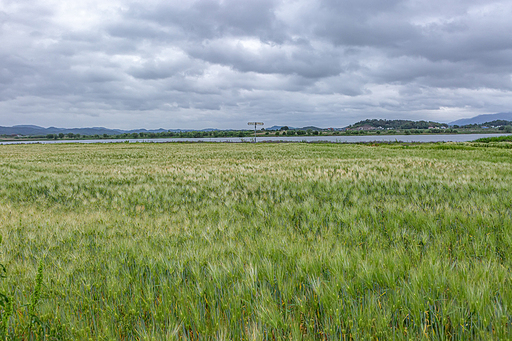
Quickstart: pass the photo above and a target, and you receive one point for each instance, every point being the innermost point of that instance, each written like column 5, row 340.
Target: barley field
column 256, row 241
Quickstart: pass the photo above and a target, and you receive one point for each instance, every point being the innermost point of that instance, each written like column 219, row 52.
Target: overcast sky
column 220, row 63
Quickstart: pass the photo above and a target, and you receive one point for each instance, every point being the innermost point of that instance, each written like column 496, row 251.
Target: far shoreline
column 259, row 135
column 340, row 139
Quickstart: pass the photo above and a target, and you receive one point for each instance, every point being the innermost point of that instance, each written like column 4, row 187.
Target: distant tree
column 49, row 136
column 316, row 132
column 309, row 131
column 105, row 135
column 498, row 123
column 508, row 129
column 277, row 133
column 284, row 128
column 71, row 135
column 397, row 124
column 61, row 135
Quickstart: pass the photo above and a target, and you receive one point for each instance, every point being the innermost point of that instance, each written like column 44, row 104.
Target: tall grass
column 505, row 138
column 258, row 242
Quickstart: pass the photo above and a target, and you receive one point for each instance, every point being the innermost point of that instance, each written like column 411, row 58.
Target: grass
column 257, row 241
column 505, row 138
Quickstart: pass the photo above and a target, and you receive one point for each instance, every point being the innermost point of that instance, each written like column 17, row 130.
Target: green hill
column 396, row 124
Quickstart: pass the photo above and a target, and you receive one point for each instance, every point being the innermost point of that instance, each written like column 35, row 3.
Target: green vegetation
column 498, row 123
column 408, row 127
column 256, row 241
column 142, row 135
column 397, row 124
column 505, row 138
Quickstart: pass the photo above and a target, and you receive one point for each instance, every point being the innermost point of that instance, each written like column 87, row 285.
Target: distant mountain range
column 507, row 116
column 31, row 130
column 278, row 128
column 293, row 128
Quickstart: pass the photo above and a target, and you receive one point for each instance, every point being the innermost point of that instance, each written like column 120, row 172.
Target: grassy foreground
column 257, row 242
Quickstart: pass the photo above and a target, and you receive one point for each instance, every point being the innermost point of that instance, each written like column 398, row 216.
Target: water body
column 334, row 139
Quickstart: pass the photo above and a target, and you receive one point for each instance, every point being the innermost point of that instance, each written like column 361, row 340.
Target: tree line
column 164, row 134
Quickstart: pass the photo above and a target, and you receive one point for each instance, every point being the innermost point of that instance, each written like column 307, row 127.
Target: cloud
column 209, row 19
column 220, row 63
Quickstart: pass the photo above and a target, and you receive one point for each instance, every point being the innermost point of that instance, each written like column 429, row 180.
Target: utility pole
column 255, row 124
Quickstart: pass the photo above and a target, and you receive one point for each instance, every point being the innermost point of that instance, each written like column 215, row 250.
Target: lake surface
column 334, row 139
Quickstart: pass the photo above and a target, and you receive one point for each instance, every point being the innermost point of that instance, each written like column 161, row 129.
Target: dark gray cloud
column 220, row 63
column 210, row 19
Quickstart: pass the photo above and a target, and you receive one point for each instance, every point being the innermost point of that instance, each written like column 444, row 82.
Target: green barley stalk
column 7, row 302
column 36, row 295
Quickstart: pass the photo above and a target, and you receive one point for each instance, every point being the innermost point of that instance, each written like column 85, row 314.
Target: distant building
column 365, row 127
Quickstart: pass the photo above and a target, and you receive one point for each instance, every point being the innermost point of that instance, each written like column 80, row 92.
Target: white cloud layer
column 221, row 63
